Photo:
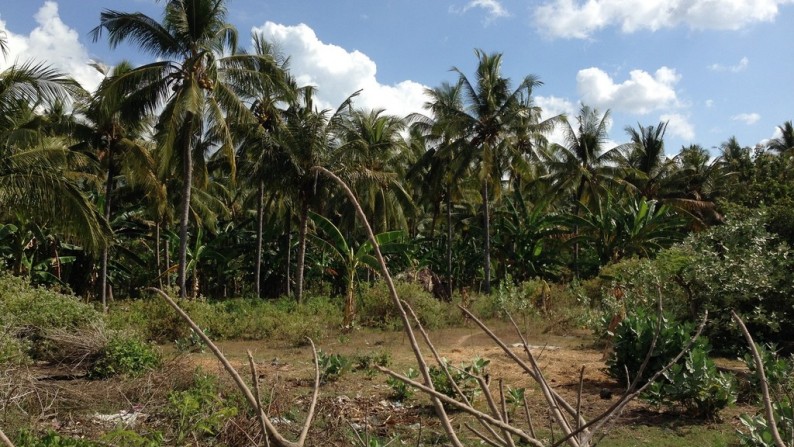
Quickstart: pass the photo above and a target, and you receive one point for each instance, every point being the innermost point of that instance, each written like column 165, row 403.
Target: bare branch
column 7, row 442
column 759, row 367
column 259, row 410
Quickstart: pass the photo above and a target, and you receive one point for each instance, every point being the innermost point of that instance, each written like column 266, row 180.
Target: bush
column 125, row 356
column 632, row 341
column 779, row 377
column 401, row 391
column 464, row 376
column 332, row 366
column 696, row 385
column 240, row 319
column 740, row 266
column 198, row 412
column 28, row 313
column 52, row 439
column 758, row 432
column 376, row 308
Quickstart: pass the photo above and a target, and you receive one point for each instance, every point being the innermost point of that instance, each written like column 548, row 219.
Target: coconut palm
column 307, row 141
column 784, row 144
column 490, row 110
column 374, row 156
column 644, row 156
column 199, row 76
column 39, row 175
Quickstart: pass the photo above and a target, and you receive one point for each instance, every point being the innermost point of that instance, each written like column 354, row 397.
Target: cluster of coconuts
column 201, row 77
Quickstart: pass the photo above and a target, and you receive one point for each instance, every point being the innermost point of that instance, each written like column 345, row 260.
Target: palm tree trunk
column 486, row 217
column 350, row 299
column 104, row 275
column 288, row 263
column 304, row 225
column 184, row 218
column 167, row 262
column 259, row 218
column 157, row 250
column 449, row 242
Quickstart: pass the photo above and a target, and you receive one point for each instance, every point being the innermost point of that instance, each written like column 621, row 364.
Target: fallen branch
column 759, row 367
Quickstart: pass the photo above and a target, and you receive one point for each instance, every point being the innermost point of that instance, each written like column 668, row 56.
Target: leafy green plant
column 125, row 355
column 400, row 390
column 757, row 432
column 332, row 366
column 366, row 361
column 199, row 411
column 632, row 342
column 779, row 372
column 696, row 385
column 51, row 439
column 464, row 375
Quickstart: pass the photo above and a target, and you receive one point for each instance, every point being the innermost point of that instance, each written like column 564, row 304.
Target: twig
column 421, row 363
column 443, row 365
column 529, row 417
column 5, row 439
column 759, row 367
column 465, row 408
column 260, row 411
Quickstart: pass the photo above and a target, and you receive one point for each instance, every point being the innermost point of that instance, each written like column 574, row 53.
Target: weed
column 332, row 366
column 127, row 356
column 198, row 411
column 401, row 391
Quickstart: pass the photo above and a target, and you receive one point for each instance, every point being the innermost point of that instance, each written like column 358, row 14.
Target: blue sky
column 712, row 68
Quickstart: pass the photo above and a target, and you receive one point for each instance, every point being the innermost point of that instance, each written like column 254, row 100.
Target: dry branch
column 759, row 366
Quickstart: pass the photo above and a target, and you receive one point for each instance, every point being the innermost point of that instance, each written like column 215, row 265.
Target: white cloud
column 54, row 43
column 642, row 93
column 741, row 66
column 493, row 8
column 337, row 72
column 678, row 125
column 747, row 118
column 709, row 103
column 581, row 18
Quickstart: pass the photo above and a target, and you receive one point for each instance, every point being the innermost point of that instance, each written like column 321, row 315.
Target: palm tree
column 307, row 141
column 121, row 151
column 259, row 149
column 200, row 77
column 375, row 157
column 38, row 173
column 644, row 157
column 783, row 144
column 490, row 109
column 582, row 166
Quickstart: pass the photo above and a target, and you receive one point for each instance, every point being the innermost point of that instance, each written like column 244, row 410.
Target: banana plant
column 353, row 259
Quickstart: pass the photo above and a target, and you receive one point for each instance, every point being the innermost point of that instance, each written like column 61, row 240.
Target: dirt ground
column 359, row 403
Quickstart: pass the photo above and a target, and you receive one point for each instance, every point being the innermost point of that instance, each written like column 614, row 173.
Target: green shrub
column 28, row 313
column 376, row 308
column 632, row 341
column 332, row 366
column 401, row 391
column 756, row 431
column 125, row 355
column 696, row 385
column 199, row 411
column 740, row 266
column 238, row 318
column 464, row 376
column 51, row 439
column 779, row 373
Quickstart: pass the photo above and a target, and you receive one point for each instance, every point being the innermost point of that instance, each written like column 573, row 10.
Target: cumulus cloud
column 642, row 93
column 709, row 103
column 52, row 42
column 747, row 118
column 493, row 8
column 337, row 72
column 581, row 18
column 678, row 125
column 741, row 66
